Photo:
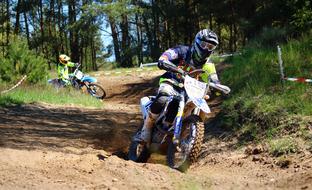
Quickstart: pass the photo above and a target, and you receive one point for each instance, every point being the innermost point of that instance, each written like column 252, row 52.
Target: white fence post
column 280, row 61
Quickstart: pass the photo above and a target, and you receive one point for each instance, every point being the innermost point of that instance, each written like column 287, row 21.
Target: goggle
column 206, row 45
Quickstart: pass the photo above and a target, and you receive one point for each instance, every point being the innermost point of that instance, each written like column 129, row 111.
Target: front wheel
column 138, row 152
column 184, row 154
column 97, row 91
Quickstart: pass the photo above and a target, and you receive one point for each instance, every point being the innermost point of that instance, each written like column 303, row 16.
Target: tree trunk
column 41, row 27
column 73, row 38
column 93, row 55
column 52, row 24
column 115, row 39
column 2, row 28
column 60, row 26
column 7, row 21
column 155, row 47
column 139, row 38
column 17, row 18
column 149, row 35
column 27, row 28
column 126, row 60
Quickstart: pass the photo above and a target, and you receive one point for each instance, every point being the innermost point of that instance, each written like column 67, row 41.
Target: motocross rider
column 177, row 61
column 62, row 69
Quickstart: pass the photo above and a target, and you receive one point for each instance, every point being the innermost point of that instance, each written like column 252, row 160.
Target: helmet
column 205, row 42
column 64, row 59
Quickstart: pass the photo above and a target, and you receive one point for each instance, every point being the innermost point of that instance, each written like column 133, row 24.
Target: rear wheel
column 97, row 91
column 192, row 134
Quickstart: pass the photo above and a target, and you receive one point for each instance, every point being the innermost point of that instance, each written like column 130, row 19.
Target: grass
column 47, row 94
column 260, row 107
column 282, row 146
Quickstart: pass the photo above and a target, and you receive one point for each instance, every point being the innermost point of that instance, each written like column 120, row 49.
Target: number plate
column 78, row 74
column 196, row 91
column 194, row 88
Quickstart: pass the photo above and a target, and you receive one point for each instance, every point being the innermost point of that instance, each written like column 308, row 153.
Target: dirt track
column 50, row 147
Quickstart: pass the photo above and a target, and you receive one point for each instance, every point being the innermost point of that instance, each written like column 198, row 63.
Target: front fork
column 178, row 121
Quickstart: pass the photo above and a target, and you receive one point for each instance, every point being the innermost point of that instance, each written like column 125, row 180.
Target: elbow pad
column 167, row 65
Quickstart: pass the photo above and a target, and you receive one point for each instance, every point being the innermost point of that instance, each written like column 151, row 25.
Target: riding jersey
column 62, row 71
column 181, row 57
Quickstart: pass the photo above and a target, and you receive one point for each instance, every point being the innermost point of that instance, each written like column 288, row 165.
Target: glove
column 181, row 71
column 77, row 64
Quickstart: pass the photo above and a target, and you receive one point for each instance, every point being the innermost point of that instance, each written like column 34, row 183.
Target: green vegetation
column 47, row 94
column 8, row 100
column 261, row 108
column 20, row 61
column 282, row 146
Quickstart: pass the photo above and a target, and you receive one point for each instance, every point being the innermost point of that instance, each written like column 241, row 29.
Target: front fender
column 201, row 103
column 188, row 109
column 88, row 79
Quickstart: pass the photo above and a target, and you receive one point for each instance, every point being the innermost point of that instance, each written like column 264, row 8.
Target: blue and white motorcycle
column 178, row 132
column 81, row 81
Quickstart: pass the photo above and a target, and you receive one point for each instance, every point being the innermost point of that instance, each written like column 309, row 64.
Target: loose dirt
column 61, row 147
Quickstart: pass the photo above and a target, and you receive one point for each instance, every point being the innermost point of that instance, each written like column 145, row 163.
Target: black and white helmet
column 205, row 42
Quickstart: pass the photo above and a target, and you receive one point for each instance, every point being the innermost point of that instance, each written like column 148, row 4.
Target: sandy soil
column 58, row 147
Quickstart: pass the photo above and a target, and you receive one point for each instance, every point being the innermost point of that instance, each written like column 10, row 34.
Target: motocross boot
column 146, row 131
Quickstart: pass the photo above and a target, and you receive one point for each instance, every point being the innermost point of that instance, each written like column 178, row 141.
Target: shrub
column 21, row 61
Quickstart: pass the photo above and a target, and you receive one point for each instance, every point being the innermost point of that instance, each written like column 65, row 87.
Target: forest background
column 134, row 31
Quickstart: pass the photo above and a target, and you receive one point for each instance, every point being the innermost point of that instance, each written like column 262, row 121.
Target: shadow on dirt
column 214, row 133
column 37, row 127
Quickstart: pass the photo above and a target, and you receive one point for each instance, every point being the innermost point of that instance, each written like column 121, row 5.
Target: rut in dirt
column 46, row 127
column 38, row 127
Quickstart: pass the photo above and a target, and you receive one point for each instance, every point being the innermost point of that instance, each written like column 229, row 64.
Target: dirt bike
column 178, row 131
column 81, row 81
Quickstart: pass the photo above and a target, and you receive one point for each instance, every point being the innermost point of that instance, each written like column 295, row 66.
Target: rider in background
column 177, row 61
column 62, row 69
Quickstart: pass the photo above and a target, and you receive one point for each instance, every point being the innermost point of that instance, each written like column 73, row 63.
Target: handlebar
column 225, row 89
column 196, row 72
